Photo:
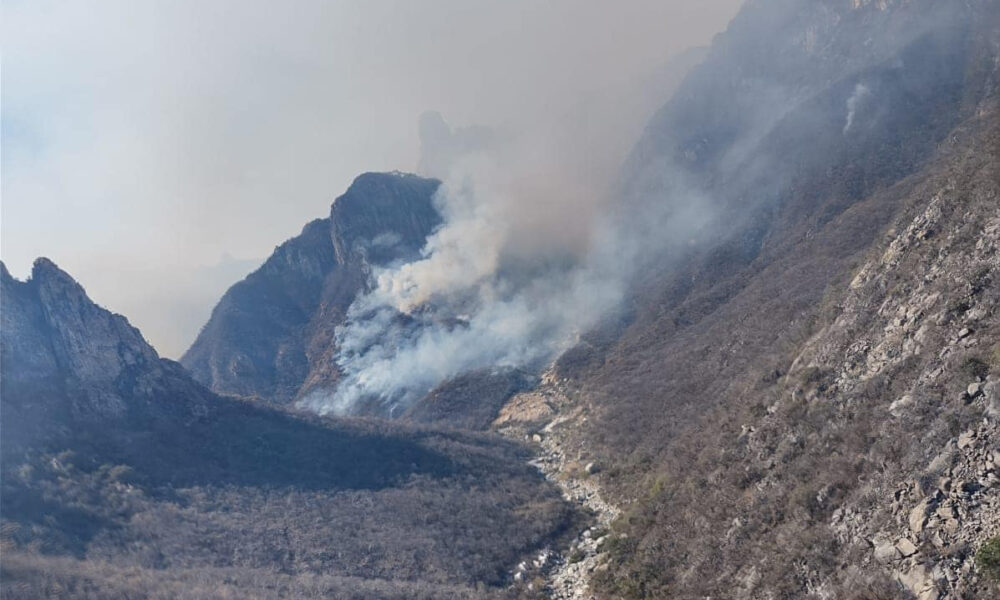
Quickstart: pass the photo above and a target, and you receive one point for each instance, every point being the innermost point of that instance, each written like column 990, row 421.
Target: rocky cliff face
column 67, row 360
column 52, row 325
column 271, row 335
column 383, row 218
column 917, row 328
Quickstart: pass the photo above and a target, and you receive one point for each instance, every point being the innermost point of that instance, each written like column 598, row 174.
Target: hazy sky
column 147, row 143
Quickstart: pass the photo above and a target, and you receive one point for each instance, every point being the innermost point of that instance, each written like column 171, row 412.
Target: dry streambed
column 544, row 417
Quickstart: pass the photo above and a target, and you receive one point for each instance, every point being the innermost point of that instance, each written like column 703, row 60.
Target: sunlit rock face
column 53, row 328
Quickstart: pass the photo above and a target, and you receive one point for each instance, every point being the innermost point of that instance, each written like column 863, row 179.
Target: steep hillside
column 741, row 413
column 122, row 477
column 271, row 335
column 875, row 403
column 725, row 305
column 800, row 397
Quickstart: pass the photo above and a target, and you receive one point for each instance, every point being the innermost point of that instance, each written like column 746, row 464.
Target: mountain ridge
column 271, row 335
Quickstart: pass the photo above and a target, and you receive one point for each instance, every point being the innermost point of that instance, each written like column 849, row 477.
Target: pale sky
column 145, row 143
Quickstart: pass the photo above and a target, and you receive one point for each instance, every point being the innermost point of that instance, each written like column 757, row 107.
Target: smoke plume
column 861, row 93
column 528, row 259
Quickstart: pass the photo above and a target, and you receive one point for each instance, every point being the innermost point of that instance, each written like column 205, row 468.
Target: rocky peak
column 44, row 270
column 271, row 335
column 93, row 343
column 84, row 339
column 66, row 357
column 383, row 217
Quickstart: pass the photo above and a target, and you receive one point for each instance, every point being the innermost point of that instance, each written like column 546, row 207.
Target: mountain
column 795, row 384
column 799, row 399
column 781, row 179
column 804, row 417
column 271, row 335
column 123, row 477
column 68, row 361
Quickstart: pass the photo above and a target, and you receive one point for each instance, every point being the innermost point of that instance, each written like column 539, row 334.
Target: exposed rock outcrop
column 67, row 360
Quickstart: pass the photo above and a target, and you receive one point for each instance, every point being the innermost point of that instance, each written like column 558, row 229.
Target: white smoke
column 478, row 299
column 854, row 103
column 470, row 302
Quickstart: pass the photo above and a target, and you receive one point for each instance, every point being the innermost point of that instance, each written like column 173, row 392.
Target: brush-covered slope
column 743, row 415
column 841, row 442
column 811, row 174
column 122, row 477
column 271, row 335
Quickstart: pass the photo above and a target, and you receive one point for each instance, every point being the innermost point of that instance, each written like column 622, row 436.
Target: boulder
column 918, row 516
column 945, row 512
column 885, row 552
column 919, row 581
column 906, row 548
column 900, row 405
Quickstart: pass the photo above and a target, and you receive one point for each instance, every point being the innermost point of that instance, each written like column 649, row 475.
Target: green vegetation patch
column 988, row 559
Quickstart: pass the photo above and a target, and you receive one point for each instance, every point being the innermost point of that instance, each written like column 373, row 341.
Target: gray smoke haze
column 142, row 141
column 529, row 258
column 535, row 249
